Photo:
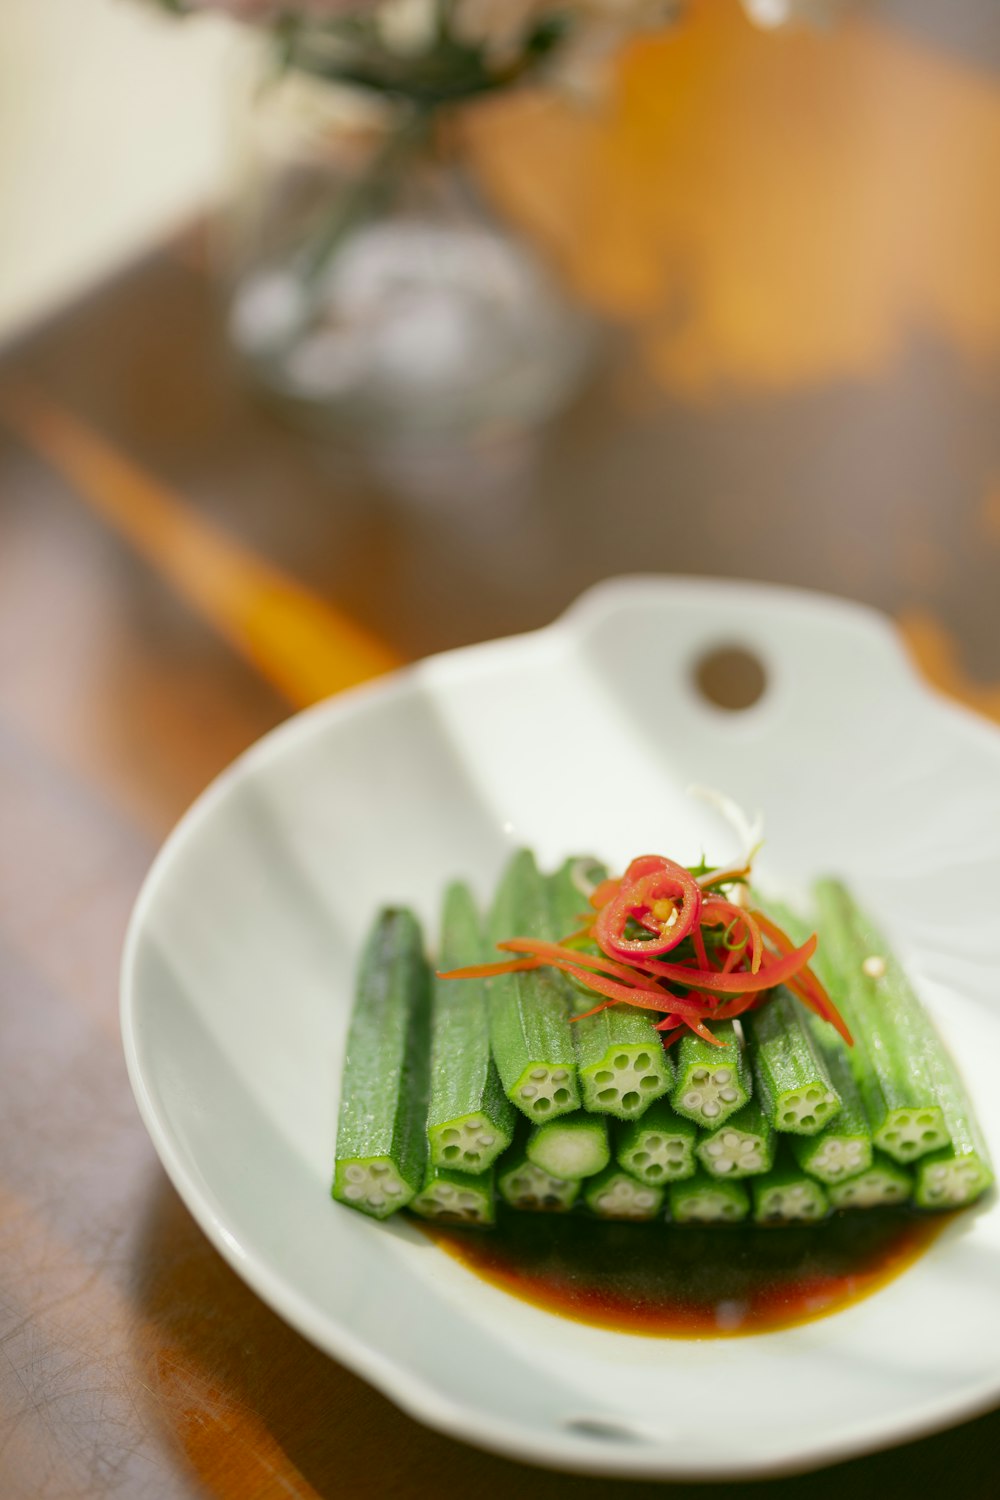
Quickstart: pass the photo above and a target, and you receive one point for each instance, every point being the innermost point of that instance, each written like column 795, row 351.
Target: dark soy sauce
column 666, row 1280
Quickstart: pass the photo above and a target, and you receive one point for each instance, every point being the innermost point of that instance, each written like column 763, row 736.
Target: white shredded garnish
column 578, row 875
column 874, row 966
column 749, row 832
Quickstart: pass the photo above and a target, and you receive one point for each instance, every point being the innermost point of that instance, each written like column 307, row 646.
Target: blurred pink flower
column 269, row 10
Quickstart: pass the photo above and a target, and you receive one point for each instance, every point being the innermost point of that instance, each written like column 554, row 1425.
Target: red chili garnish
column 805, row 985
column 729, row 984
column 717, row 912
column 662, row 896
column 728, row 976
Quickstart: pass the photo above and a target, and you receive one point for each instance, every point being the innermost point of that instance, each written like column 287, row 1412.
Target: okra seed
column 710, row 1110
column 539, row 1074
column 731, row 1138
column 699, row 1075
column 645, row 1200
column 723, row 1165
column 729, row 1096
column 529, row 1091
column 378, row 1168
column 353, row 1192
column 692, row 1100
column 394, row 1188
column 468, row 1200
column 560, row 1075
column 376, row 1200
column 445, row 1191
column 722, row 1075
column 355, row 1174
column 713, row 1148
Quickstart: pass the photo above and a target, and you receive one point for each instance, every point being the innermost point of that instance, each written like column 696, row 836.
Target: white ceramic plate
column 238, row 973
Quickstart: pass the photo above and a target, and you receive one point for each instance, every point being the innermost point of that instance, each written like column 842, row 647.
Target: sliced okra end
column 545, row 1090
column 660, row 1158
column 735, row 1153
column 371, row 1184
column 804, row 1111
column 625, row 1082
column 470, row 1144
column 709, row 1094
column 797, row 1202
column 910, row 1133
column 531, row 1189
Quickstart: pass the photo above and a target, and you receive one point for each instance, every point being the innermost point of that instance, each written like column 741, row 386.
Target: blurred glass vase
column 372, row 284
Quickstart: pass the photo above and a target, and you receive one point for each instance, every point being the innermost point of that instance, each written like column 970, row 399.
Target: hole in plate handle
column 730, row 677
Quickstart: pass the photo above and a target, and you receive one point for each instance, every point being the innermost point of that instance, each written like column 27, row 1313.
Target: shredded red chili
column 728, row 958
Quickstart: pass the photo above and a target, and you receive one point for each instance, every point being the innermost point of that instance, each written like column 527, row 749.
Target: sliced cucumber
column 791, row 1078
column 456, row 1197
column 743, row 1147
column 530, row 1031
column 470, row 1120
column 613, row 1194
column 885, row 1181
column 575, row 1146
column 381, row 1135
column 712, row 1082
column 708, row 1200
column 622, row 1064
column 659, row 1148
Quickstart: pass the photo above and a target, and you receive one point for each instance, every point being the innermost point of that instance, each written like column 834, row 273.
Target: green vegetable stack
column 457, row 1091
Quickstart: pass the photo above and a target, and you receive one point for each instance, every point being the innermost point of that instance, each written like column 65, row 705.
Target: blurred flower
column 408, row 27
column 774, row 13
column 272, row 10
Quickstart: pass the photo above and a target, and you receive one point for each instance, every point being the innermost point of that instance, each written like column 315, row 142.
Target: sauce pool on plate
column 686, row 1282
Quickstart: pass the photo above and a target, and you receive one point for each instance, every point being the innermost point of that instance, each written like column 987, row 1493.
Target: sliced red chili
column 642, row 890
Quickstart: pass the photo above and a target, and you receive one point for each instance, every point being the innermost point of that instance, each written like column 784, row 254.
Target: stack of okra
column 457, row 1091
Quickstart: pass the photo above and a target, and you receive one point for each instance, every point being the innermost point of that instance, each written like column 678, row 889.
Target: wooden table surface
column 794, row 241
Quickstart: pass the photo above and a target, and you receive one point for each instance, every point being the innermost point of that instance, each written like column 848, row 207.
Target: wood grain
column 178, row 568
